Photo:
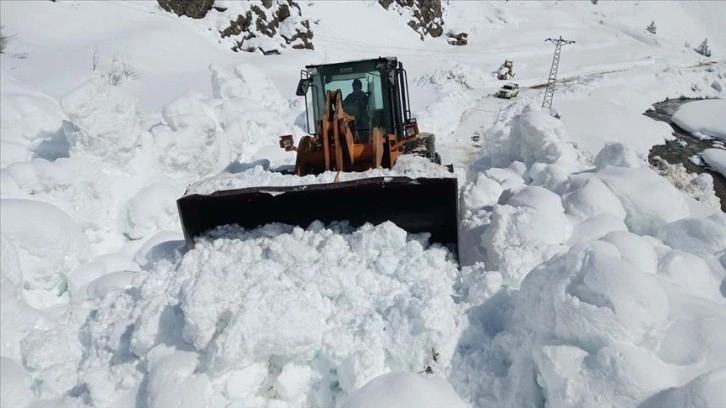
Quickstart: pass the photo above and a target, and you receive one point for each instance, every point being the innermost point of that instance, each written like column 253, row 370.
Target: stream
column 684, row 146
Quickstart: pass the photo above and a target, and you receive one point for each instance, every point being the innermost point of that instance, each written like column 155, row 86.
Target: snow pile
column 29, row 123
column 188, row 146
column 697, row 186
column 202, row 136
column 636, row 189
column 104, row 122
column 47, row 248
column 703, row 118
column 536, row 139
column 253, row 112
column 607, row 274
column 402, row 389
column 76, row 187
column 524, row 161
column 275, row 315
column 716, row 159
column 460, row 76
column 150, row 210
column 411, row 166
column 605, row 317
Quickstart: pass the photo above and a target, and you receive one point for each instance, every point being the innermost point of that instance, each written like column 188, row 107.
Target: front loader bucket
column 415, row 205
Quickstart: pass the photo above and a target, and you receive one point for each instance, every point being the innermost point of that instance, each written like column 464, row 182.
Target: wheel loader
column 368, row 130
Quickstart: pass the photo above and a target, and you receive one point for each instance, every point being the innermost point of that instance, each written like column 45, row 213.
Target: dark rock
column 427, row 15
column 255, row 24
column 458, row 38
column 189, row 8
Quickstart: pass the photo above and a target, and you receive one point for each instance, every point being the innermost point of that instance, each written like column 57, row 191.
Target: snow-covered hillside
column 584, row 278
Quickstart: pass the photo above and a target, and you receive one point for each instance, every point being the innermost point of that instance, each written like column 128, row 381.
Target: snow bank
column 277, row 315
column 459, row 77
column 188, row 146
column 716, row 159
column 702, row 118
column 529, row 229
column 589, row 283
column 649, row 200
column 595, row 324
column 48, row 243
column 152, row 209
column 705, row 391
column 252, row 109
column 697, row 186
column 29, row 122
column 203, row 136
column 536, row 139
column 404, row 389
column 104, row 122
column 75, row 186
column 14, row 384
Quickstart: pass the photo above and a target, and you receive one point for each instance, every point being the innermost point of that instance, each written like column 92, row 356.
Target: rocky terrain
column 268, row 26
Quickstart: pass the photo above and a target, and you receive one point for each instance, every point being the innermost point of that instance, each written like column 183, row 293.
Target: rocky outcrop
column 190, row 8
column 259, row 25
column 268, row 26
column 458, row 38
column 427, row 15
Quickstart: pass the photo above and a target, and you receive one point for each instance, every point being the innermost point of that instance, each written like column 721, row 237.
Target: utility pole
column 550, row 91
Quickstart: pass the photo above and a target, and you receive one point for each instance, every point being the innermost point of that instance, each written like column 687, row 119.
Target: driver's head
column 357, row 85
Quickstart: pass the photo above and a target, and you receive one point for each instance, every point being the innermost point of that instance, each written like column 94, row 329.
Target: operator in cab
column 356, row 104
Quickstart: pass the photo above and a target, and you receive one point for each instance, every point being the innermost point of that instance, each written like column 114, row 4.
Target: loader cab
column 384, row 82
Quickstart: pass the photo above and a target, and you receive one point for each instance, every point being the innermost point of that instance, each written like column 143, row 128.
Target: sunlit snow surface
column 585, row 279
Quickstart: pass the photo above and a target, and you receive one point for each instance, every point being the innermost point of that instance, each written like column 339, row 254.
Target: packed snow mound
column 697, row 186
column 458, row 77
column 538, row 140
column 72, row 185
column 277, row 315
column 152, row 209
column 705, row 391
column 188, row 146
column 700, row 236
column 48, row 242
column 597, row 316
column 104, row 122
column 202, row 136
column 260, row 176
column 650, row 201
column 716, row 159
column 585, row 196
column 524, row 232
column 615, row 271
column 29, row 122
column 618, row 155
column 253, row 113
column 14, row 390
column 18, row 317
column 405, row 389
column 703, row 118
